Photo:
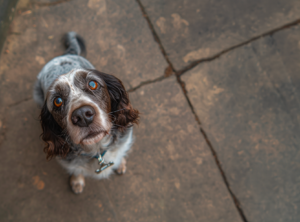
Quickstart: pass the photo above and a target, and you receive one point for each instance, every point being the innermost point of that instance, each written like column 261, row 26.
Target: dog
column 86, row 116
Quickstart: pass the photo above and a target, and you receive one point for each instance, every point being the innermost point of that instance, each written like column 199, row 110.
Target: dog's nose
column 83, row 116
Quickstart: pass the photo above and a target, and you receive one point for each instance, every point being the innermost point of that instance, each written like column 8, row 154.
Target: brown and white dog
column 85, row 114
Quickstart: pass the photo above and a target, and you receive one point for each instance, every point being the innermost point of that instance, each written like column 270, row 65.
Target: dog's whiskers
column 118, row 125
column 116, row 111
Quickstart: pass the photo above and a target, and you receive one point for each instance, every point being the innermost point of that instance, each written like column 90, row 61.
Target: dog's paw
column 77, row 188
column 122, row 168
column 77, row 183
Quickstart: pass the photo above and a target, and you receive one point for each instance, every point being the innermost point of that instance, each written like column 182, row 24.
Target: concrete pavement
column 218, row 88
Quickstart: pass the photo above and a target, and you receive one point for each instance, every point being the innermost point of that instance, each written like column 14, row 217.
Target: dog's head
column 81, row 107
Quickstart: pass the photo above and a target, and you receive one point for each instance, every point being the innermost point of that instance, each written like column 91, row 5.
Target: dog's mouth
column 93, row 137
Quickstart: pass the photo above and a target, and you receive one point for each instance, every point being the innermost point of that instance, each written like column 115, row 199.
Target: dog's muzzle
column 83, row 116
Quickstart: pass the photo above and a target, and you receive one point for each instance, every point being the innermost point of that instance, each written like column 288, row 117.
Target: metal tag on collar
column 103, row 166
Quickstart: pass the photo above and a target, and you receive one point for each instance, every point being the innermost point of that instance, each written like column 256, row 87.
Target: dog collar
column 103, row 166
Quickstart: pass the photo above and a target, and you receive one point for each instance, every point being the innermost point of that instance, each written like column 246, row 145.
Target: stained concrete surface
column 191, row 30
column 7, row 8
column 242, row 105
column 248, row 102
column 174, row 176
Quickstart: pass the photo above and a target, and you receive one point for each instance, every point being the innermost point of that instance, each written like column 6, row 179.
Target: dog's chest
column 115, row 150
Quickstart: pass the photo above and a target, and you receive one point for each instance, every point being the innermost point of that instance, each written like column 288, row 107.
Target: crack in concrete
column 168, row 72
column 155, row 36
column 214, row 153
column 208, row 59
column 19, row 102
column 41, row 4
column 147, row 83
column 182, row 84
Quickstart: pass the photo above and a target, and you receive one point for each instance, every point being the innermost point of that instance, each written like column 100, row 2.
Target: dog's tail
column 75, row 44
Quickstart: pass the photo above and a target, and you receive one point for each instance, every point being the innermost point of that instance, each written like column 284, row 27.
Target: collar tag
column 102, row 165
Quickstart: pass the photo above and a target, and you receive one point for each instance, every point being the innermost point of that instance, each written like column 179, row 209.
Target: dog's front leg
column 77, row 183
column 122, row 168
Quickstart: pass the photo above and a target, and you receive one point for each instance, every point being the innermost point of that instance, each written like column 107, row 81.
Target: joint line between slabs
column 219, row 54
column 156, row 38
column 214, row 153
column 41, row 4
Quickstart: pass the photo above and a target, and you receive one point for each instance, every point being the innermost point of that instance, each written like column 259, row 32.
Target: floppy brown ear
column 123, row 113
column 52, row 135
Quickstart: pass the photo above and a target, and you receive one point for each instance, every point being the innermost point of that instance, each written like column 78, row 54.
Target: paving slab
column 171, row 174
column 190, row 30
column 248, row 104
column 34, row 189
column 117, row 37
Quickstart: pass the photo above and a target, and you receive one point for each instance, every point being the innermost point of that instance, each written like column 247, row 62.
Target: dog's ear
column 52, row 135
column 121, row 109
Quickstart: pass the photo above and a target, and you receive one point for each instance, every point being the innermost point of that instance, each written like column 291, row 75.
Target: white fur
column 86, row 166
column 63, row 68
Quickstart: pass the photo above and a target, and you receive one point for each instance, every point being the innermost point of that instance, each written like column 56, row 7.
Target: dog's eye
column 93, row 85
column 58, row 102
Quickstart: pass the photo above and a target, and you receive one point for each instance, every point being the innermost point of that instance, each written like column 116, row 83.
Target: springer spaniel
column 86, row 116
